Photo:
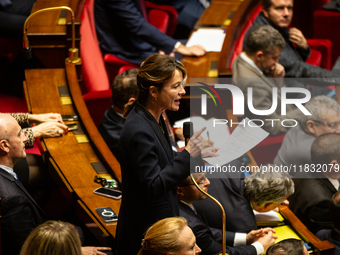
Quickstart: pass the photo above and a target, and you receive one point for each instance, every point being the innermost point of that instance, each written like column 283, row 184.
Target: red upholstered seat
column 96, row 86
column 323, row 48
column 325, row 27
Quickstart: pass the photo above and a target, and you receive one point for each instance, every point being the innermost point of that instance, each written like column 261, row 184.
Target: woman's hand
column 50, row 129
column 41, row 118
column 194, row 146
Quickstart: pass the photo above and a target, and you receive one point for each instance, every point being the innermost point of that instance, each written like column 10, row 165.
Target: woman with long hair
column 151, row 170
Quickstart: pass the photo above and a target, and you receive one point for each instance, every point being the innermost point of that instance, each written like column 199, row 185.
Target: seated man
column 318, row 184
column 279, row 14
column 20, row 213
column 210, row 239
column 333, row 235
column 124, row 90
column 263, row 191
column 123, row 31
column 296, row 146
column 288, row 247
column 258, row 62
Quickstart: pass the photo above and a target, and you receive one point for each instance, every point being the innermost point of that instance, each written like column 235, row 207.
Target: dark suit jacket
column 150, row 173
column 229, row 192
column 293, row 58
column 20, row 214
column 123, row 31
column 332, row 236
column 210, row 239
column 310, row 202
column 111, row 128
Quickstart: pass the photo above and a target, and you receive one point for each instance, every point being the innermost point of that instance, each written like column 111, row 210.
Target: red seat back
column 239, row 44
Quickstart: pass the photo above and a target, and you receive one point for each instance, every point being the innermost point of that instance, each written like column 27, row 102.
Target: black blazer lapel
column 163, row 138
column 8, row 176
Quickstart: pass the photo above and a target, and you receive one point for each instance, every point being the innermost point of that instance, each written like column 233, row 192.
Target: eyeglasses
column 333, row 125
column 200, row 181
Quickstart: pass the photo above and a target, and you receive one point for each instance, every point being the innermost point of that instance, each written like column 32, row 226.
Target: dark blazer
column 332, row 236
column 111, row 128
column 293, row 58
column 150, row 173
column 310, row 202
column 210, row 239
column 123, row 31
column 229, row 192
column 20, row 214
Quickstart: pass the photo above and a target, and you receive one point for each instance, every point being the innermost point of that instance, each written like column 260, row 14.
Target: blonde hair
column 163, row 237
column 52, row 238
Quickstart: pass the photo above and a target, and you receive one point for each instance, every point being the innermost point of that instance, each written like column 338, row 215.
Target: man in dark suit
column 20, row 213
column 279, row 14
column 123, row 31
column 314, row 192
column 263, row 191
column 333, row 235
column 210, row 239
column 124, row 90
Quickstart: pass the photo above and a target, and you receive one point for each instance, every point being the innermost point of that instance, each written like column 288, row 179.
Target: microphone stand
column 223, row 213
column 73, row 52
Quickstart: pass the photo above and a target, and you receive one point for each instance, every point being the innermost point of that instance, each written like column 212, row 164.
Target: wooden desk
column 50, row 33
column 222, row 14
column 71, row 160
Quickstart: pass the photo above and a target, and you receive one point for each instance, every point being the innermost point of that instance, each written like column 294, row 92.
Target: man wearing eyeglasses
column 210, row 239
column 296, row 146
column 314, row 191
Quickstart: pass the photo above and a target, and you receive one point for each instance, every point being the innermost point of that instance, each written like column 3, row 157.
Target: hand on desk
column 89, row 250
column 49, row 129
column 47, row 117
column 195, row 50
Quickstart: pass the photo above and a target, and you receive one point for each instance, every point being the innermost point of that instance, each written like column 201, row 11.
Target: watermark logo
column 238, row 99
column 204, row 97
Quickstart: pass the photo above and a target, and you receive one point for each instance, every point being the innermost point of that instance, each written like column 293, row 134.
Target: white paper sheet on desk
column 211, row 39
column 239, row 142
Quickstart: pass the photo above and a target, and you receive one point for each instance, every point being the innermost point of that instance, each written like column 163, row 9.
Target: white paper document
column 239, row 142
column 211, row 39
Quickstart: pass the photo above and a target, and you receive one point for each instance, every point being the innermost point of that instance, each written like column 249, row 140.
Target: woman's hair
column 53, row 238
column 155, row 71
column 163, row 237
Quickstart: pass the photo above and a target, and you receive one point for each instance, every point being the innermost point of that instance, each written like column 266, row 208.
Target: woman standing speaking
column 151, row 170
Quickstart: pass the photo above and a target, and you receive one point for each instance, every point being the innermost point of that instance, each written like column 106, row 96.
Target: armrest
column 324, row 46
column 171, row 11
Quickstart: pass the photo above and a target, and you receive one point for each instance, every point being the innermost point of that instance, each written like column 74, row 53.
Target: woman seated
column 53, row 238
column 169, row 236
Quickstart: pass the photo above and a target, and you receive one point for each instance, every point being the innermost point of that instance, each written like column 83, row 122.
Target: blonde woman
column 169, row 236
column 53, row 238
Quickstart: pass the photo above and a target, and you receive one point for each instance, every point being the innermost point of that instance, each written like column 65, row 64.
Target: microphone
column 188, row 131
